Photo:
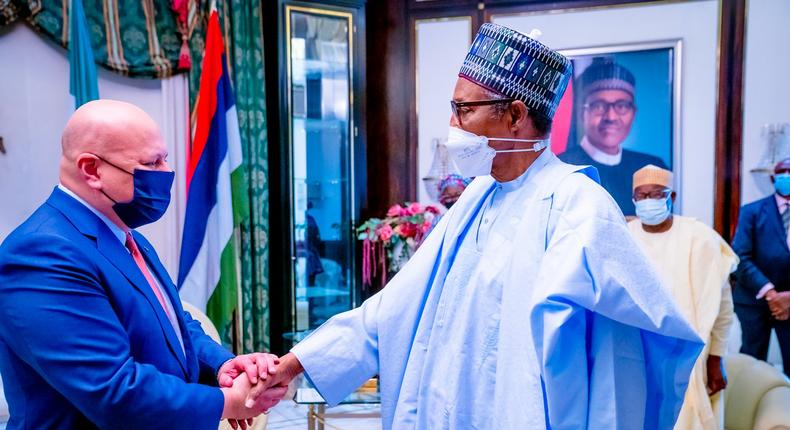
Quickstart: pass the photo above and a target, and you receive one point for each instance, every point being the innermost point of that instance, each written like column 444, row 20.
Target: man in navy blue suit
column 762, row 294
column 93, row 334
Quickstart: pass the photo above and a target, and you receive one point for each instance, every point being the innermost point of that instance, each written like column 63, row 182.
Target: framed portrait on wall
column 650, row 31
column 620, row 113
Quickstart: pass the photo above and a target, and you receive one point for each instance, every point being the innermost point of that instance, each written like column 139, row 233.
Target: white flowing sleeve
column 720, row 333
column 615, row 351
column 724, row 320
column 343, row 353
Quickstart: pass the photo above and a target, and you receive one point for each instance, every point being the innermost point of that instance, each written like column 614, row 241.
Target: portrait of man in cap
column 607, row 111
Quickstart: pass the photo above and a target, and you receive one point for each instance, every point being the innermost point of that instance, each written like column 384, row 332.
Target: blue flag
column 83, row 83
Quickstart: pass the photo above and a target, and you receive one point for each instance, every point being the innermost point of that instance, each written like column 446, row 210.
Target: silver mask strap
column 539, row 144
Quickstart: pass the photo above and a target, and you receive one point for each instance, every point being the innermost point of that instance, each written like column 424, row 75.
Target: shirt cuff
column 333, row 382
column 764, row 290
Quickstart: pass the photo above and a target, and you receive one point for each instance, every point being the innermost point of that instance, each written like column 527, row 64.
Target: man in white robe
column 529, row 306
column 694, row 263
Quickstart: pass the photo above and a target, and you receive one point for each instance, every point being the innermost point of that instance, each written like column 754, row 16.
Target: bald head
column 106, row 125
column 103, row 143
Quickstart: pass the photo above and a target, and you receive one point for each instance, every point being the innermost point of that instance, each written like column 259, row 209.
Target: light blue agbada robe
column 587, row 338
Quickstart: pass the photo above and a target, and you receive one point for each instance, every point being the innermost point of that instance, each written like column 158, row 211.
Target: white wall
column 441, row 49
column 766, row 86
column 695, row 24
column 34, row 107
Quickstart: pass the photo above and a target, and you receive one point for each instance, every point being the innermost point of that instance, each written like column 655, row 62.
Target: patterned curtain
column 242, row 26
column 137, row 38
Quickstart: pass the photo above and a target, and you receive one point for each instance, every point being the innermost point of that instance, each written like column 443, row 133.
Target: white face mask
column 653, row 211
column 474, row 157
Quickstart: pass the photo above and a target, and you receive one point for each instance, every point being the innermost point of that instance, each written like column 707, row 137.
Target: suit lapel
column 87, row 223
column 117, row 254
column 774, row 218
column 169, row 288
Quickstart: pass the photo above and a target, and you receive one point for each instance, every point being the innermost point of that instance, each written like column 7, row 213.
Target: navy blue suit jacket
column 761, row 243
column 85, row 343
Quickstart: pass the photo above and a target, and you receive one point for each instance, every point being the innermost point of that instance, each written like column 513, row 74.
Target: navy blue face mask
column 151, row 196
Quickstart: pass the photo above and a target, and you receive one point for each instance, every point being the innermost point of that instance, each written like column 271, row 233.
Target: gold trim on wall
column 587, row 8
column 351, row 125
column 349, row 16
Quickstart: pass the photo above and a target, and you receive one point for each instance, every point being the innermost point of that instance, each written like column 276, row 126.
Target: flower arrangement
column 393, row 239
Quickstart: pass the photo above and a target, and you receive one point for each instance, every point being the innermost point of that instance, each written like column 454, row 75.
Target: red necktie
column 138, row 258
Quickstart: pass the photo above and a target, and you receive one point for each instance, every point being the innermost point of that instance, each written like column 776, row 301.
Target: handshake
column 253, row 383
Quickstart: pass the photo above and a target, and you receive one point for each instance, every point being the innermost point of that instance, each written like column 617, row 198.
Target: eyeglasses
column 600, row 107
column 655, row 195
column 457, row 107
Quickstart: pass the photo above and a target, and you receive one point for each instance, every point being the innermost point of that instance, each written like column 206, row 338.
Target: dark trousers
column 756, row 325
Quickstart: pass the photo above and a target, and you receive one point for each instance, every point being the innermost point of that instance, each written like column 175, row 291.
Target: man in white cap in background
column 529, row 306
column 694, row 264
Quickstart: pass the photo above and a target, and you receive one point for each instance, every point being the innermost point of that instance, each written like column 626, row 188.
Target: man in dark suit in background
column 93, row 334
column 762, row 293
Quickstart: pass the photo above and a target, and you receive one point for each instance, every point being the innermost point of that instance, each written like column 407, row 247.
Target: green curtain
column 138, row 38
column 241, row 22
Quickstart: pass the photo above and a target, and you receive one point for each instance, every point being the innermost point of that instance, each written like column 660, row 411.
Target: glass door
column 319, row 90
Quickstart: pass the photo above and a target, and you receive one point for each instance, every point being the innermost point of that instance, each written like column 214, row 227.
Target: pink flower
column 432, row 209
column 407, row 229
column 385, row 232
column 414, row 209
column 394, row 210
column 426, row 225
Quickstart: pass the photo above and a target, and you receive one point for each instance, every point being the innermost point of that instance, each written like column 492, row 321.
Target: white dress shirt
column 600, row 156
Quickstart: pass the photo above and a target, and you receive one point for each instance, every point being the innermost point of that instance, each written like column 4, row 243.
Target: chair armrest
column 773, row 413
column 752, row 379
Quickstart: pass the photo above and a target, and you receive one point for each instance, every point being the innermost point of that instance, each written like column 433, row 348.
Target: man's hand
column 266, row 398
column 241, row 424
column 717, row 379
column 255, row 365
column 779, row 303
column 287, row 370
column 235, row 409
